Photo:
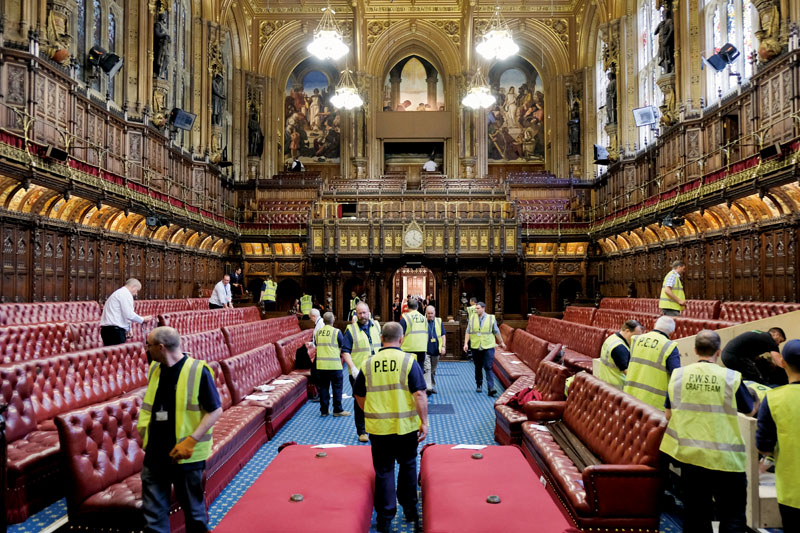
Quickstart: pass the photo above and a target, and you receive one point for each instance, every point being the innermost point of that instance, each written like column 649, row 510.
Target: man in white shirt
column 221, row 297
column 430, row 165
column 318, row 322
column 118, row 314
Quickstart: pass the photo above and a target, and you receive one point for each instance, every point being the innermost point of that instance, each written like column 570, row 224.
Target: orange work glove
column 184, row 449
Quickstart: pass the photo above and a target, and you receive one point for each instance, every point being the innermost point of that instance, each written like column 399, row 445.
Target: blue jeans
column 484, row 360
column 156, row 490
column 326, row 379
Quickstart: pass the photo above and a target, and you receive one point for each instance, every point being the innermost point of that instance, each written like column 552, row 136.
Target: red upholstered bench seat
column 337, row 488
column 244, row 337
column 526, row 352
column 45, row 312
column 455, row 487
column 159, row 307
column 579, row 315
column 509, row 368
column 208, row 345
column 33, row 341
column 625, row 439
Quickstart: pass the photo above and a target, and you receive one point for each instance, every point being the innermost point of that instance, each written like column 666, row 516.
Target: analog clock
column 413, row 238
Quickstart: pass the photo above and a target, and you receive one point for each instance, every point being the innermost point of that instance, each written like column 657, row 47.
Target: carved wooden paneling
column 83, row 262
column 16, row 277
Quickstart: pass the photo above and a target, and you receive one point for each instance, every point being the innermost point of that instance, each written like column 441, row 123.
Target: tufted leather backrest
column 157, row 307
column 65, row 382
column 287, row 348
column 244, row 371
column 646, row 305
column 188, row 322
column 222, row 388
column 208, row 346
column 530, row 349
column 551, row 380
column 582, row 339
column 84, row 336
column 507, row 332
column 613, row 319
column 686, row 327
column 616, row 427
column 543, row 327
column 707, row 309
column 245, row 337
column 33, row 341
column 625, row 304
column 16, row 390
column 197, row 304
column 749, row 311
column 138, row 332
column 579, row 315
column 100, row 445
column 250, row 313
column 37, row 313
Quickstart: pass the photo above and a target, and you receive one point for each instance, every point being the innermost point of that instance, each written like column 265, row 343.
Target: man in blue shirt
column 437, row 341
column 360, row 341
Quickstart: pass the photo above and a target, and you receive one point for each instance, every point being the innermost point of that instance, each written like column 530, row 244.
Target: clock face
column 413, row 238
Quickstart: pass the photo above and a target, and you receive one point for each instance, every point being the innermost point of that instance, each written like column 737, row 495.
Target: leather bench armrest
column 542, row 411
column 605, row 483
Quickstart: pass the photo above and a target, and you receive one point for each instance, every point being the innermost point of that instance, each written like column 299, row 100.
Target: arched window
column 178, row 71
column 649, row 93
column 728, row 21
column 600, row 84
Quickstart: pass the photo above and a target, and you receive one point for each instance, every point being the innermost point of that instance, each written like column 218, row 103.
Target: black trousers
column 324, row 380
column 790, row 516
column 728, row 490
column 358, row 412
column 156, row 489
column 386, row 450
column 113, row 335
column 745, row 365
column 420, row 358
column 215, row 306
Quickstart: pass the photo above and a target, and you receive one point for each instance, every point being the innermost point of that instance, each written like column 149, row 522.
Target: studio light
column 328, row 42
column 497, row 42
column 101, row 58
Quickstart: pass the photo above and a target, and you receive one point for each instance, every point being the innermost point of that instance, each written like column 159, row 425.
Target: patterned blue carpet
column 457, row 415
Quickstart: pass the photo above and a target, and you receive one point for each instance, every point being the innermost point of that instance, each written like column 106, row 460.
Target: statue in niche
column 768, row 34
column 574, row 125
column 611, row 98
column 255, row 137
column 666, row 40
column 161, row 41
column 58, row 37
column 217, row 99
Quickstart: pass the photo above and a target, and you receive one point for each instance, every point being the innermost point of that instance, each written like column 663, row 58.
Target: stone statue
column 161, row 40
column 575, row 129
column 666, row 41
column 611, row 98
column 58, row 37
column 255, row 137
column 768, row 34
column 217, row 99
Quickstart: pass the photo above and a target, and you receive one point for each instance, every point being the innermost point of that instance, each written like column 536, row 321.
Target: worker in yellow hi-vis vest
column 615, row 354
column 180, row 406
column 361, row 340
column 653, row 359
column 391, row 390
column 703, row 435
column 673, row 298
column 306, row 303
column 482, row 332
column 328, row 364
column 268, row 291
column 776, row 435
column 415, row 332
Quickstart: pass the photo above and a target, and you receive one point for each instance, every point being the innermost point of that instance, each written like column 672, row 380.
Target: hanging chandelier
column 497, row 42
column 328, row 42
column 346, row 95
column 478, row 96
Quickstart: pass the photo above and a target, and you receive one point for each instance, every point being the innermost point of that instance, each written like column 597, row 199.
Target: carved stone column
column 394, row 82
column 432, row 81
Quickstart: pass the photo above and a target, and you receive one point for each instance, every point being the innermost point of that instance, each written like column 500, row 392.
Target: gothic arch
column 412, row 37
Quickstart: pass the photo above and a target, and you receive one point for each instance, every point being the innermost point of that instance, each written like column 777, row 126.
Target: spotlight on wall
column 672, row 221
column 56, row 154
column 101, row 58
column 726, row 55
column 181, row 119
column 601, row 155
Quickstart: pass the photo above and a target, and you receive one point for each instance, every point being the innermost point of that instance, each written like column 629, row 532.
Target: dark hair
column 779, row 331
column 707, row 342
column 481, row 304
column 631, row 325
column 678, row 263
column 412, row 304
column 473, row 300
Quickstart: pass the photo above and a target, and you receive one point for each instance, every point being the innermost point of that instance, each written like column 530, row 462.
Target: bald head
column 133, row 285
column 314, row 314
column 362, row 313
column 707, row 343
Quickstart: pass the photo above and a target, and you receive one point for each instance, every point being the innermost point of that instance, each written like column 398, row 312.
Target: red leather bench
column 287, row 349
column 197, row 304
column 613, row 318
column 749, row 311
column 507, row 333
column 188, row 322
column 208, row 345
column 259, row 366
column 41, row 312
column 623, row 433
column 84, row 336
column 250, row 313
column 42, row 389
column 33, row 341
column 326, row 481
column 639, row 305
column 686, row 327
column 158, row 307
column 244, row 337
column 139, row 332
column 456, row 484
column 550, row 380
column 706, row 309
column 579, row 315
column 527, row 351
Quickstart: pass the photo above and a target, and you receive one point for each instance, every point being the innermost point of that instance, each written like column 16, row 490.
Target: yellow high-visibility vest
column 783, row 405
column 470, row 312
column 353, row 303
column 415, row 336
column 389, row 407
column 608, row 370
column 482, row 337
column 665, row 302
column 704, row 427
column 362, row 348
column 188, row 412
column 647, row 377
column 328, row 350
column 305, row 304
column 270, row 287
